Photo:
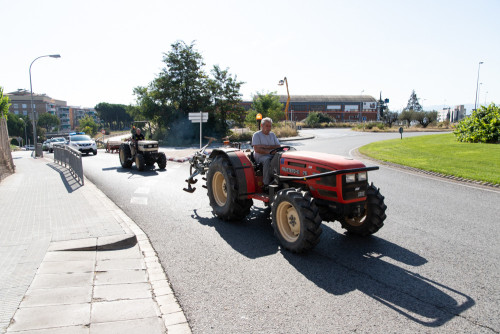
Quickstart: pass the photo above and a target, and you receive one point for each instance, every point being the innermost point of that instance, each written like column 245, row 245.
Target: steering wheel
column 279, row 149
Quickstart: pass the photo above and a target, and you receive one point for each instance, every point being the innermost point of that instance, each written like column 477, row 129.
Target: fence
column 6, row 162
column 71, row 159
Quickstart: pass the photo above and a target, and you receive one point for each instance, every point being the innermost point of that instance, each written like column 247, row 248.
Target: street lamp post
column 32, row 107
column 281, row 82
column 477, row 84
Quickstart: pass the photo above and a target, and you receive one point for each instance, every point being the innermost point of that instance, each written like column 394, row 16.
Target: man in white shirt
column 263, row 142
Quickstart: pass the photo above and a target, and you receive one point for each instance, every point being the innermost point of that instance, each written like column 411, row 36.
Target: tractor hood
column 329, row 161
column 147, row 142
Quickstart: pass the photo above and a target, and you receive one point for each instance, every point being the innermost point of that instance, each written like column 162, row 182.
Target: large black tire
column 374, row 218
column 125, row 156
column 162, row 160
column 296, row 220
column 140, row 161
column 223, row 191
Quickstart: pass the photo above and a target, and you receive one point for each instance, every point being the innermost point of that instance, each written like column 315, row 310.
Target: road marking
column 139, row 200
column 142, row 190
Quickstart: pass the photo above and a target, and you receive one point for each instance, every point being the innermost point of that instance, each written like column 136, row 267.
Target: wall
column 6, row 162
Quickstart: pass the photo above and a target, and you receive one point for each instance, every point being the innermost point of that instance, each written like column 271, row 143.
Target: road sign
column 103, row 131
column 195, row 117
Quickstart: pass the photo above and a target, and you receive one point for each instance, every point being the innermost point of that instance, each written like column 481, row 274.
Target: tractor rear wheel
column 125, row 156
column 140, row 161
column 374, row 216
column 223, row 191
column 162, row 160
column 296, row 220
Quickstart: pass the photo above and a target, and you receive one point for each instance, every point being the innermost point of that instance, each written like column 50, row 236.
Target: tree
column 48, row 121
column 268, row 105
column 183, row 87
column 407, row 116
column 390, row 117
column 15, row 125
column 226, row 97
column 413, row 103
column 114, row 116
column 88, row 125
column 4, row 104
column 483, row 126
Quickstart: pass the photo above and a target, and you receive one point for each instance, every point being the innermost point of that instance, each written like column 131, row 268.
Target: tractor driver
column 263, row 142
column 136, row 137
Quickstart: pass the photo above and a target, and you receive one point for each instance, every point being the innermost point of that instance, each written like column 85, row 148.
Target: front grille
column 353, row 190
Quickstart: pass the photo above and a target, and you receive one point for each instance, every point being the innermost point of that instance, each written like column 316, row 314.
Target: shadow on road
column 148, row 170
column 253, row 237
column 343, row 263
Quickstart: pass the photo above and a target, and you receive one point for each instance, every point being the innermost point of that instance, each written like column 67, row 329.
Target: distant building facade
column 341, row 108
column 452, row 115
column 21, row 103
column 68, row 115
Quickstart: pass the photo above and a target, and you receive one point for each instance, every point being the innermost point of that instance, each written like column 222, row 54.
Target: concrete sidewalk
column 72, row 262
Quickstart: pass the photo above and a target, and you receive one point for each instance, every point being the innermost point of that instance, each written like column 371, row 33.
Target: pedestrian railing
column 70, row 158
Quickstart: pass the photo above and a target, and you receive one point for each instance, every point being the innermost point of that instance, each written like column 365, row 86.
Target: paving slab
column 145, row 325
column 57, row 296
column 120, row 276
column 114, row 292
column 120, row 264
column 52, row 281
column 124, row 310
column 30, row 318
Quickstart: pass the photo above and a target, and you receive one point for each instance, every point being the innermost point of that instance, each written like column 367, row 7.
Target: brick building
column 341, row 108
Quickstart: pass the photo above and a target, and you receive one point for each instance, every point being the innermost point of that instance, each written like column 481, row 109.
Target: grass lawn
column 441, row 153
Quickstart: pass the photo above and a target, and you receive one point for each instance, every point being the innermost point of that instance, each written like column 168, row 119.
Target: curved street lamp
column 32, row 107
column 280, row 83
column 477, row 84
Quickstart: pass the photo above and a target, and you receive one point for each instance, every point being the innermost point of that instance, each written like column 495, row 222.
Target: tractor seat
column 256, row 166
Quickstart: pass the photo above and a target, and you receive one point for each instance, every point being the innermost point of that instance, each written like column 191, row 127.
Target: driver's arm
column 265, row 149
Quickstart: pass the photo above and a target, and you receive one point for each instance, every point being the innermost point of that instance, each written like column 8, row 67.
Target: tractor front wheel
column 162, row 160
column 223, row 191
column 125, row 156
column 374, row 216
column 140, row 162
column 296, row 220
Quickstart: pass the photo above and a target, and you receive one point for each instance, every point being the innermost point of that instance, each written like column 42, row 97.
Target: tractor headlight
column 362, row 176
column 350, row 178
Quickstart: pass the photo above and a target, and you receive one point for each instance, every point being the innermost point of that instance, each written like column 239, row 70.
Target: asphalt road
column 433, row 267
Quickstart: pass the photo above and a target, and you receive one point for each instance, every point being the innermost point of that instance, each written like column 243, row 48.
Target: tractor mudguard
column 243, row 169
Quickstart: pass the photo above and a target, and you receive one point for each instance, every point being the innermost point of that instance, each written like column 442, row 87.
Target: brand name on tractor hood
column 290, row 170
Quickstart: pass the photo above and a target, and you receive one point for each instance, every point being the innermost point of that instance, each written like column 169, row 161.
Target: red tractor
column 309, row 187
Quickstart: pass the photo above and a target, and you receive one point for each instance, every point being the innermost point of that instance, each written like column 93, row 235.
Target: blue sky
column 322, row 47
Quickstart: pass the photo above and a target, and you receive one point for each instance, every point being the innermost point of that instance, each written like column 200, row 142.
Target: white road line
column 139, row 200
column 142, row 190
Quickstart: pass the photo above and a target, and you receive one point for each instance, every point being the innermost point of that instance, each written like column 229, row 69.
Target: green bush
column 317, row 119
column 483, row 126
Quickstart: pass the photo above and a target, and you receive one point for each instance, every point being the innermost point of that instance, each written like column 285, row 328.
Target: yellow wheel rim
column 219, row 188
column 288, row 221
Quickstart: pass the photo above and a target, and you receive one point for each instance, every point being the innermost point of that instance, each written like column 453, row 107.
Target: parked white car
column 83, row 143
column 55, row 142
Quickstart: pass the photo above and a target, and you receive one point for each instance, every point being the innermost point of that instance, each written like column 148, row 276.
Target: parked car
column 29, row 147
column 56, row 141
column 45, row 145
column 83, row 143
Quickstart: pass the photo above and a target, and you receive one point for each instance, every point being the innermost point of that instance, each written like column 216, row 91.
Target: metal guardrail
column 70, row 158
